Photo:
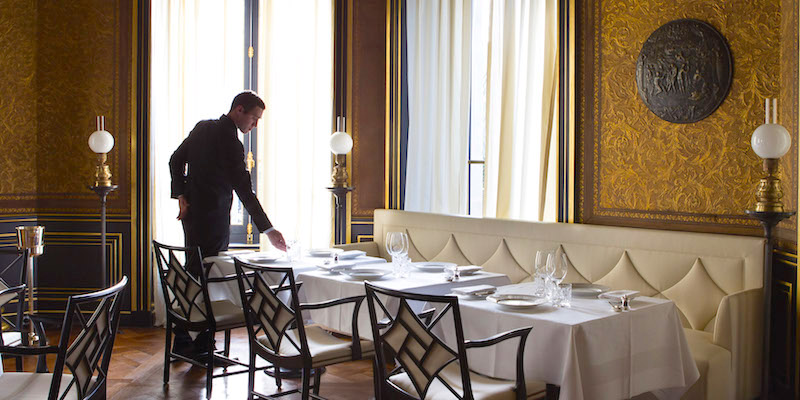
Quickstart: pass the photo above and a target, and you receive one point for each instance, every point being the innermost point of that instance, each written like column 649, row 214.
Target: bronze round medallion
column 684, row 71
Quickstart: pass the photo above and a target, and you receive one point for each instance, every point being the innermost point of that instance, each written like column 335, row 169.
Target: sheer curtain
column 197, row 67
column 520, row 107
column 438, row 46
column 296, row 81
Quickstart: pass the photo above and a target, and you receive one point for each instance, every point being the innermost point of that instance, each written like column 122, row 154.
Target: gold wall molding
column 638, row 170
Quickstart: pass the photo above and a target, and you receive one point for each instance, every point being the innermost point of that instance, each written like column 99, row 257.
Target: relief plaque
column 684, row 71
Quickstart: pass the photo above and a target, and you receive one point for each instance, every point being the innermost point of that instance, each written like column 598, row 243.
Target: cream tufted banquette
column 715, row 280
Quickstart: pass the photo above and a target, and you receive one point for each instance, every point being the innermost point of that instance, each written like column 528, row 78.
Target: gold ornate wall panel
column 636, row 169
column 83, row 67
column 18, row 124
column 788, row 109
column 367, row 104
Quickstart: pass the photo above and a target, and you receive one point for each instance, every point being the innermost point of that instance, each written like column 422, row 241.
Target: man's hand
column 184, row 207
column 276, row 238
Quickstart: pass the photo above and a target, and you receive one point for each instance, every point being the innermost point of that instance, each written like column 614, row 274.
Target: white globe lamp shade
column 101, row 142
column 770, row 141
column 341, row 143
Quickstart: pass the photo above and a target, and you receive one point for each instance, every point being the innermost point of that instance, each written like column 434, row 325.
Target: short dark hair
column 248, row 100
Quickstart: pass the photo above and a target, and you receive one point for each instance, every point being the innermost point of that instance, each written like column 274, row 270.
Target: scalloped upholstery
column 697, row 271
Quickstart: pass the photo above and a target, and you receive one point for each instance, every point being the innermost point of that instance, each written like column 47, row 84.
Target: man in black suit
column 205, row 169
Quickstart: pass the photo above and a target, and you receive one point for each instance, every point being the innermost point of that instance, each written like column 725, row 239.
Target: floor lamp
column 101, row 142
column 769, row 141
column 340, row 143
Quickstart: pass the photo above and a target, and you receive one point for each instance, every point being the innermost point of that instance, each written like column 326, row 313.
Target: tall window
column 481, row 87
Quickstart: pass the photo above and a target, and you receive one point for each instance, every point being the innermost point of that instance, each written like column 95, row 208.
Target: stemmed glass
column 557, row 268
column 540, row 273
column 397, row 246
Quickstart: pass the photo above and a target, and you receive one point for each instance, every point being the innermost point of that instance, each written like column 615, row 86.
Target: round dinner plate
column 432, row 266
column 323, row 252
column 363, row 274
column 516, row 301
column 589, row 290
column 263, row 259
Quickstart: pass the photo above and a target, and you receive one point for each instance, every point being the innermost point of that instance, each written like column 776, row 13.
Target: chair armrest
column 371, row 248
column 739, row 329
column 225, row 278
column 425, row 316
column 356, row 346
column 522, row 334
column 16, row 289
column 28, row 350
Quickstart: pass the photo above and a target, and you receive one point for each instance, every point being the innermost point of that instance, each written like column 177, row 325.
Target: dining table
column 590, row 349
column 223, row 265
column 320, row 285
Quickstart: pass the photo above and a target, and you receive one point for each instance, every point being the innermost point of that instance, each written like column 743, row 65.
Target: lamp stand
column 769, row 194
column 340, row 214
column 768, row 220
column 102, row 192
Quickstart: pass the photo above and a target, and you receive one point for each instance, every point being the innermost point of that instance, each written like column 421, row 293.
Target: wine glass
column 396, row 244
column 560, row 268
column 540, row 272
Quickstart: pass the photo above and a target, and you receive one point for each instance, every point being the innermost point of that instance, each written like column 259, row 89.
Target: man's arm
column 240, row 180
column 177, row 169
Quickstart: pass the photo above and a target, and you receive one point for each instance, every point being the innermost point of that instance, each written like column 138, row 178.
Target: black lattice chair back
column 184, row 294
column 271, row 309
column 413, row 343
column 88, row 355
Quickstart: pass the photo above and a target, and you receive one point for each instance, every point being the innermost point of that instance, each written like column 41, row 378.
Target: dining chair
column 86, row 356
column 425, row 365
column 13, row 333
column 188, row 307
column 278, row 334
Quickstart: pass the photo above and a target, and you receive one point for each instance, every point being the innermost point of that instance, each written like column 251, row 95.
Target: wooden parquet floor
column 136, row 372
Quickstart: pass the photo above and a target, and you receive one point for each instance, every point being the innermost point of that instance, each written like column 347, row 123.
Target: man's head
column 246, row 110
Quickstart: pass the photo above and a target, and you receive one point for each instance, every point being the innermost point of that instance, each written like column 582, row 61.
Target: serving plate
column 335, row 268
column 363, row 274
column 432, row 266
column 516, row 301
column 347, row 255
column 466, row 270
column 323, row 252
column 588, row 290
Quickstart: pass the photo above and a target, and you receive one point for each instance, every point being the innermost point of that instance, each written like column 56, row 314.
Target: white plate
column 323, row 252
column 336, row 268
column 364, row 274
column 588, row 290
column 432, row 266
column 516, row 301
column 263, row 259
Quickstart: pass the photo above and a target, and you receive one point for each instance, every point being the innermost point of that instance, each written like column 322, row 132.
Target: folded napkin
column 345, row 255
column 618, row 294
column 476, row 290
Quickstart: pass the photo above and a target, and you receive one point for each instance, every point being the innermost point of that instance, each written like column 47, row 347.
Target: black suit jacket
column 205, row 169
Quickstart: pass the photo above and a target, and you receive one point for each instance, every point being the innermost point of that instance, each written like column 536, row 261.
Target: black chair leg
column 227, row 343
column 304, row 395
column 317, row 376
column 167, row 351
column 18, row 363
column 210, row 365
column 552, row 392
column 251, row 376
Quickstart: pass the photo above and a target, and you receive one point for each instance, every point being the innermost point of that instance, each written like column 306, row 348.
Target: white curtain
column 296, row 80
column 520, row 107
column 197, row 67
column 438, row 46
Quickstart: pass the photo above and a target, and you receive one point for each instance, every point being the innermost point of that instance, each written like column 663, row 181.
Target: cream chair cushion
column 714, row 362
column 483, row 387
column 30, row 386
column 325, row 348
column 225, row 313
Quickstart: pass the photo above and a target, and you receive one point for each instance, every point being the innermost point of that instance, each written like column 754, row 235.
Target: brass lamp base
column 103, row 173
column 769, row 194
column 339, row 176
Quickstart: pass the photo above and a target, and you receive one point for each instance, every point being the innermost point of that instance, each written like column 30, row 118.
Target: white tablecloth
column 591, row 351
column 320, row 286
column 224, row 265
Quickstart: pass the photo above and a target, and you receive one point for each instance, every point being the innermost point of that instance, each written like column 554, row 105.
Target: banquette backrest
column 695, row 270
